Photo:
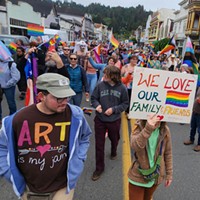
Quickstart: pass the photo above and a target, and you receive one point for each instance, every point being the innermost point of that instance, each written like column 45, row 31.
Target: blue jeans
column 10, row 97
column 92, row 81
column 76, row 99
column 195, row 125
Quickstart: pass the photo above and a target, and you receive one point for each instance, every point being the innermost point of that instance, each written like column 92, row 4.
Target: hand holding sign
column 153, row 120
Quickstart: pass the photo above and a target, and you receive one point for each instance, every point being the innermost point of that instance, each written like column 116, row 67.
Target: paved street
column 185, row 185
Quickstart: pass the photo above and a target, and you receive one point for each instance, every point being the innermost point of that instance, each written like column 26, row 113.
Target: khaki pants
column 58, row 195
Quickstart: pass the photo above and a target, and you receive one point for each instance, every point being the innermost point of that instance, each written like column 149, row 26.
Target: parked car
column 13, row 38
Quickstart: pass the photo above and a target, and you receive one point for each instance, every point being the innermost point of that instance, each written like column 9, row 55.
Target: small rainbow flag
column 52, row 41
column 142, row 64
column 35, row 30
column 179, row 99
column 57, row 38
column 88, row 111
column 12, row 47
column 98, row 49
column 114, row 41
column 152, row 45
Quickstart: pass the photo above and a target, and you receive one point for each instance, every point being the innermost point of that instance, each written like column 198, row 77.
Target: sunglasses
column 73, row 58
column 60, row 100
column 66, row 49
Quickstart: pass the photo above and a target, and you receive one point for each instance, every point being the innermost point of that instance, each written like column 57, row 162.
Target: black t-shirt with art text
column 42, row 147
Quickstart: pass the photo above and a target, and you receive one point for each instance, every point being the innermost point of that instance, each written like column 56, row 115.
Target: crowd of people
column 31, row 150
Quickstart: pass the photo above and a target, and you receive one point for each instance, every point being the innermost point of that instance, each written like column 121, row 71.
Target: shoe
column 113, row 157
column 197, row 148
column 96, row 175
column 188, row 142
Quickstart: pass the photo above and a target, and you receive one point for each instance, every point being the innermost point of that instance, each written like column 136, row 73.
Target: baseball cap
column 173, row 56
column 55, row 84
column 184, row 65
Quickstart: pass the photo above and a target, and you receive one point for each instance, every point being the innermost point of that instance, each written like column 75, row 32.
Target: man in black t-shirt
column 50, row 142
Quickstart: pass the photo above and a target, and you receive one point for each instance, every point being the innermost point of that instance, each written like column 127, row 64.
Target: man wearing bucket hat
column 43, row 146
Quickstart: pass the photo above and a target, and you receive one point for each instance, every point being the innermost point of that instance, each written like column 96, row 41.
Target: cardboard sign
column 168, row 94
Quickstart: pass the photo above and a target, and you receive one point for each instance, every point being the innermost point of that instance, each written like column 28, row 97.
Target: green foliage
column 123, row 20
column 133, row 39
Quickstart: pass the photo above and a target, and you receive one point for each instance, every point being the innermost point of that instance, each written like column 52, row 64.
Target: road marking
column 126, row 153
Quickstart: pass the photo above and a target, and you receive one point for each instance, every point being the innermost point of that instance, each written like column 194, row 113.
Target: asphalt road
column 185, row 185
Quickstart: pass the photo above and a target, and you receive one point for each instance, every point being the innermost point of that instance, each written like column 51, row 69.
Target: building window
column 20, row 23
column 196, row 22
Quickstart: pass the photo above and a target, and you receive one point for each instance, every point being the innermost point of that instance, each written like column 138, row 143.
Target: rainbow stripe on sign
column 179, row 99
column 35, row 30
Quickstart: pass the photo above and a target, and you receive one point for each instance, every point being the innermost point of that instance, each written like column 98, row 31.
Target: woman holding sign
column 151, row 142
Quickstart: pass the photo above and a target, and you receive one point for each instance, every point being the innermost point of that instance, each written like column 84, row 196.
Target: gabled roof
column 2, row 3
column 72, row 20
column 69, row 11
column 42, row 6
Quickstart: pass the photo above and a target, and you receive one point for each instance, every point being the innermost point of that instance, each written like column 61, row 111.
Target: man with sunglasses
column 43, row 146
column 65, row 55
column 78, row 80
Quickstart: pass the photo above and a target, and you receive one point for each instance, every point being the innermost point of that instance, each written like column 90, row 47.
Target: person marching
column 110, row 99
column 43, row 146
column 152, row 163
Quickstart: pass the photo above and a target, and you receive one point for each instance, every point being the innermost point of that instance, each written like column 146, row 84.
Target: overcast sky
column 148, row 4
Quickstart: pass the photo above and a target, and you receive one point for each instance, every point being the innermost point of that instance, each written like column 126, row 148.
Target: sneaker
column 188, row 142
column 96, row 175
column 113, row 157
column 197, row 148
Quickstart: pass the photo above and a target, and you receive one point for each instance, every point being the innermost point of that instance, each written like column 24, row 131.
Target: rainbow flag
column 142, row 64
column 4, row 52
column 35, row 30
column 57, row 38
column 190, row 59
column 152, row 45
column 114, row 41
column 179, row 99
column 170, row 46
column 88, row 111
column 12, row 47
column 98, row 49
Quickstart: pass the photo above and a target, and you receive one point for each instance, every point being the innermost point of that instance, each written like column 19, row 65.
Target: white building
column 3, row 21
column 101, row 31
column 166, row 18
column 180, row 23
column 146, row 31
